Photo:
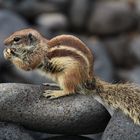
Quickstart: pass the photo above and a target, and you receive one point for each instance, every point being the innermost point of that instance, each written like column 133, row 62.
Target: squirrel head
column 26, row 40
column 22, row 38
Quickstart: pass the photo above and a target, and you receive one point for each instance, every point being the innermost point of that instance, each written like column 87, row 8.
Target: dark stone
column 111, row 17
column 119, row 50
column 10, row 131
column 121, row 127
column 75, row 114
column 137, row 7
column 30, row 8
column 69, row 138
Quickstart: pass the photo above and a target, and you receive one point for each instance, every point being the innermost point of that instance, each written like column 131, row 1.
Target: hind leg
column 67, row 85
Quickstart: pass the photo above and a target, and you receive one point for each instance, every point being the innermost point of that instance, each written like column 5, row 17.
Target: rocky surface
column 121, row 127
column 10, row 131
column 76, row 114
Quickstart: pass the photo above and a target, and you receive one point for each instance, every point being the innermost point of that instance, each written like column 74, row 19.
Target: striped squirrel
column 69, row 62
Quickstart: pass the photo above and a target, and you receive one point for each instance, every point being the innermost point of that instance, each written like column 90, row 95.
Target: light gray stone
column 52, row 22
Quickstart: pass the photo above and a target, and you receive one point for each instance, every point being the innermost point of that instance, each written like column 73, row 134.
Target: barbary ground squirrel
column 69, row 62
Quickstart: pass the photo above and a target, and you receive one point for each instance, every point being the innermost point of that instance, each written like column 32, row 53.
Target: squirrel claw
column 53, row 94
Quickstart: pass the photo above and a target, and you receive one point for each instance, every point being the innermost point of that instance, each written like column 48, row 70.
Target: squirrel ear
column 31, row 38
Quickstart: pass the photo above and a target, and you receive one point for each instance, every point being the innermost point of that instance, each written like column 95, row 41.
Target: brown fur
column 125, row 97
column 64, row 53
column 72, row 41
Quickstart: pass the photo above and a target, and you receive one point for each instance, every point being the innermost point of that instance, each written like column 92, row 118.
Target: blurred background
column 111, row 28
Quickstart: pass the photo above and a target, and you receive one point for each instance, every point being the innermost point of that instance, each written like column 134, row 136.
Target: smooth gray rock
column 76, row 114
column 121, row 127
column 111, row 17
column 10, row 131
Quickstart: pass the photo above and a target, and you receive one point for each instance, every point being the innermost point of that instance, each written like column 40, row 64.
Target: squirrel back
column 66, row 47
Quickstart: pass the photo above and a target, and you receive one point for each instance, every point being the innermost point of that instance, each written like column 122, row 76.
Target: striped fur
column 75, row 59
column 73, row 42
column 64, row 58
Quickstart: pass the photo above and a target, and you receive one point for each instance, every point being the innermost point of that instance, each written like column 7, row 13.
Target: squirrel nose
column 7, row 41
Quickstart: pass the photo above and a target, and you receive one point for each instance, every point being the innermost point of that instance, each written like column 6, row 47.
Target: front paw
column 52, row 94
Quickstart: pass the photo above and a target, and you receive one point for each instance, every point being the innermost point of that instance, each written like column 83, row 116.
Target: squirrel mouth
column 11, row 52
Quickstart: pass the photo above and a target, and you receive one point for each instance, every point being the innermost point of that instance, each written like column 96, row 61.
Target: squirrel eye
column 16, row 39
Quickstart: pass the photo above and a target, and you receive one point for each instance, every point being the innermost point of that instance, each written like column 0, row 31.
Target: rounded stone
column 52, row 22
column 121, row 127
column 76, row 114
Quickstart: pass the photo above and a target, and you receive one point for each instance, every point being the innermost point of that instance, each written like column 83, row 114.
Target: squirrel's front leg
column 53, row 69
